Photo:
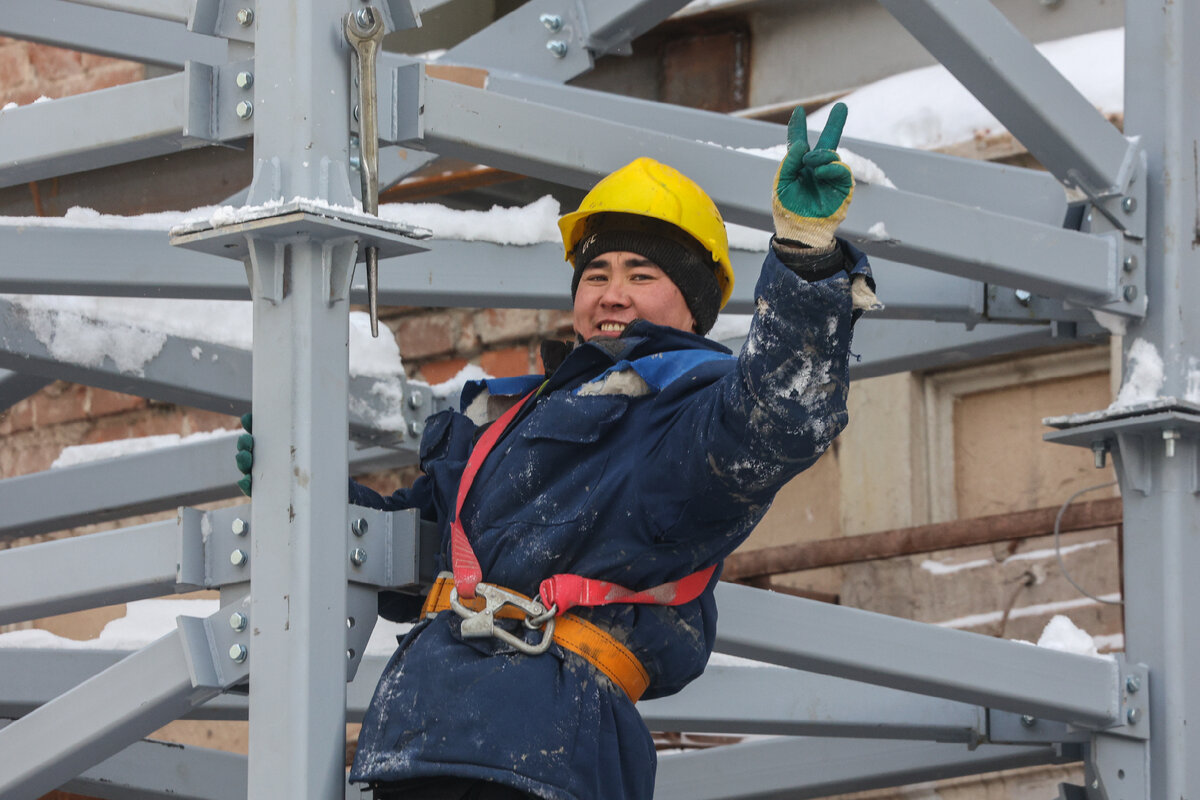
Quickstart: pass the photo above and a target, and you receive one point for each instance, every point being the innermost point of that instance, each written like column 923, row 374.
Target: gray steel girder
column 504, row 132
column 153, row 770
column 795, row 768
column 382, row 410
column 16, row 386
column 916, row 657
column 121, row 124
column 1034, row 101
column 143, row 483
column 158, row 41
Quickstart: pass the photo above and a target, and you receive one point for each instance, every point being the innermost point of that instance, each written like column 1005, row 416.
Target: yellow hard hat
column 651, row 189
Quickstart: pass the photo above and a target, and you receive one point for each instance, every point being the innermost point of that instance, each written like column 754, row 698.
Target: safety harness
column 480, row 603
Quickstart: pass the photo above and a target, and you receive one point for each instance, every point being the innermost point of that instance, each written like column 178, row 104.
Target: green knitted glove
column 812, row 187
column 245, row 453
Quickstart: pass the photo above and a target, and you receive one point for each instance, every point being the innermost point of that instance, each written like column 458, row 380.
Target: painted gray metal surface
column 797, row 768
column 153, row 770
column 1022, row 89
column 504, row 132
column 107, row 32
column 16, row 386
column 912, row 656
column 214, row 377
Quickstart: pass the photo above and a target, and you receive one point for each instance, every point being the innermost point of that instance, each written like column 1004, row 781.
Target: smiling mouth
column 612, row 327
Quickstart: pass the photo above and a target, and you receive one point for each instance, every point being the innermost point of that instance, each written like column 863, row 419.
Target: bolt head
column 1023, row 297
column 365, row 17
column 557, row 48
column 238, row 653
column 244, row 80
column 238, row 621
column 349, row 654
column 1133, row 684
column 1133, row 715
column 240, row 527
column 1130, row 294
column 553, row 22
column 244, row 109
column 359, row 527
column 415, row 400
column 239, row 558
column 1130, row 263
column 1028, row 721
column 245, row 17
column 416, row 428
column 1129, row 205
column 358, row 556
column 357, row 112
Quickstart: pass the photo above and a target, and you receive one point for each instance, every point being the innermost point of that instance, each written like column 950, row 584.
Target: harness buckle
column 482, row 624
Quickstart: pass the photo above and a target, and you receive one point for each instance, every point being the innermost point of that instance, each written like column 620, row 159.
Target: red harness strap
column 563, row 590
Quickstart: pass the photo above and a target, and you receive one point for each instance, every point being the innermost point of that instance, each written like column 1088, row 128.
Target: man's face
column 617, row 288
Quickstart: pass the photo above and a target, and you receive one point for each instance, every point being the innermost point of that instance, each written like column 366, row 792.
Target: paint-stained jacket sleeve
column 757, row 426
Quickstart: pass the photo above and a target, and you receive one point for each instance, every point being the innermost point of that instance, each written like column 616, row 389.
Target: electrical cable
column 1058, row 550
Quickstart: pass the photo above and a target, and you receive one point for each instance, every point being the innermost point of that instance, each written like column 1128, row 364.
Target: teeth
column 612, row 327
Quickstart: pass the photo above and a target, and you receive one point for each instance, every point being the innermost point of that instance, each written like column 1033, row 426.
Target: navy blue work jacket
column 640, row 462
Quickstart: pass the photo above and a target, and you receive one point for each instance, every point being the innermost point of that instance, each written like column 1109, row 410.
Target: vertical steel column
column 1159, row 473
column 298, row 562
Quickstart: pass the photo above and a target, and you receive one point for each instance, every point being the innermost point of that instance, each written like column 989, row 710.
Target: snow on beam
column 109, row 32
column 1061, row 128
column 114, row 126
column 185, row 371
column 1015, row 191
column 507, row 133
column 804, row 768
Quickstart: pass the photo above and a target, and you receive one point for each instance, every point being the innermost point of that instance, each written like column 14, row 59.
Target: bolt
column 349, row 654
column 245, row 17
column 357, row 112
column 1133, row 715
column 1099, row 451
column 244, row 109
column 365, row 17
column 1130, row 294
column 1023, row 297
column 349, row 623
column 1028, row 721
column 238, row 558
column 1129, row 205
column 1133, row 684
column 359, row 527
column 238, row 653
column 1169, row 438
column 415, row 400
column 1130, row 263
column 557, row 48
column 553, row 22
column 358, row 556
column 240, row 527
column 244, row 80
column 238, row 621
column 416, row 428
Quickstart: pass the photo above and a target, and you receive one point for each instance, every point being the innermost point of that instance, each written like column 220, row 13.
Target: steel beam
column 16, row 386
column 153, row 770
column 520, row 41
column 117, row 125
column 220, row 381
column 108, row 32
column 504, row 132
column 916, row 657
column 142, row 483
column 1014, row 191
column 1061, row 128
column 103, row 715
column 796, row 768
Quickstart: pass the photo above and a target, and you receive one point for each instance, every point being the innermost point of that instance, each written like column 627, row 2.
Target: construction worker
column 585, row 512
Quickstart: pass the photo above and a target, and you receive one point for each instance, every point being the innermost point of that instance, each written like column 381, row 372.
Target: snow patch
column 878, row 232
column 865, row 170
column 1113, row 323
column 527, row 225
column 1143, row 376
column 74, row 338
column 453, row 387
column 928, row 108
column 86, row 453
column 942, row 568
column 992, row 617
column 144, row 622
column 730, row 326
column 1062, row 634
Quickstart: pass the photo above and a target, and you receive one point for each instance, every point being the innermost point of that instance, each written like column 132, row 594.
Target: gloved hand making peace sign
column 813, row 188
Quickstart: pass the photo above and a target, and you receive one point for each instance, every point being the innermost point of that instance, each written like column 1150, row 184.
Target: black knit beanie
column 684, row 260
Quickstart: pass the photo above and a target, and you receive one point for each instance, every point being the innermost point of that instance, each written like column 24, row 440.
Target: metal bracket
column 1019, row 305
column 229, row 19
column 217, row 647
column 383, row 548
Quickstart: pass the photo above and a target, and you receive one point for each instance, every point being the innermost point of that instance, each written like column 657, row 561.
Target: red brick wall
column 29, row 71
